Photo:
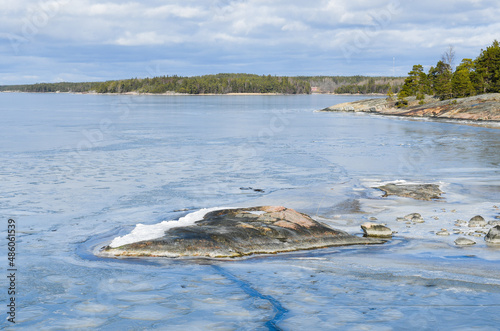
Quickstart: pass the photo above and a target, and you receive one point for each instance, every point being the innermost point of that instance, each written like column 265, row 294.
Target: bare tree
column 448, row 56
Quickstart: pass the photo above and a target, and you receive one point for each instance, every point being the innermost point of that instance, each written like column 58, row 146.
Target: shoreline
column 478, row 109
column 220, row 94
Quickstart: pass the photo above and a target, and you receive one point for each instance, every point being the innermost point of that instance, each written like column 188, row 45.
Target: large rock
column 414, row 191
column 240, row 232
column 493, row 236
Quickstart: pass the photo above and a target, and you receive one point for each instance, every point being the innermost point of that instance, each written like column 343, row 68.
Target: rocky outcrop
column 414, row 191
column 241, row 232
column 485, row 107
column 493, row 236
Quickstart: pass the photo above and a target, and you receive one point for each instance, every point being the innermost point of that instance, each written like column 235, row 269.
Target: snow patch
column 148, row 232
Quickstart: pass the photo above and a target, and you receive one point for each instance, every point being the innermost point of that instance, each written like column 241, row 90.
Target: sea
column 79, row 170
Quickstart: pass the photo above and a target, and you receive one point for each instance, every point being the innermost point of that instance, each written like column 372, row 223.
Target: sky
column 96, row 40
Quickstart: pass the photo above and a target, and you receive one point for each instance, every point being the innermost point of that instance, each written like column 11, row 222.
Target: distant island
column 223, row 84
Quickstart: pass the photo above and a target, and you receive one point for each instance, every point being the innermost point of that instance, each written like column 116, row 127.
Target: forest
column 213, row 84
column 470, row 77
column 225, row 83
column 354, row 84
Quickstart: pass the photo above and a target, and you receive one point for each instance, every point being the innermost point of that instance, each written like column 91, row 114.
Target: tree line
column 213, row 84
column 471, row 77
column 226, row 83
column 52, row 87
column 354, row 84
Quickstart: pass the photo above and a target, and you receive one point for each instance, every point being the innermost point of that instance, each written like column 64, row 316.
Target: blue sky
column 92, row 40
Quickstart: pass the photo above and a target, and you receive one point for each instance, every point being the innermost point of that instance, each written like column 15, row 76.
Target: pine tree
column 487, row 66
column 461, row 83
column 440, row 78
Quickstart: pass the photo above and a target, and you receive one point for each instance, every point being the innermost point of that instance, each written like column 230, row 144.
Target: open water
column 76, row 171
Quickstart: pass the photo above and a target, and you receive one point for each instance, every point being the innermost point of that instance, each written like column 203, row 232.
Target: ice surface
column 72, row 190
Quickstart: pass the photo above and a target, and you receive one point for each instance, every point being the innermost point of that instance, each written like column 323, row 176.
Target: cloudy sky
column 92, row 40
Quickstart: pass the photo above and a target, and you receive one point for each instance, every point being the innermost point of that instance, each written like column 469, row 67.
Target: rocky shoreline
column 485, row 107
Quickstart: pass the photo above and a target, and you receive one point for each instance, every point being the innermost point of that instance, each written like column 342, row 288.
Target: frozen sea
column 79, row 170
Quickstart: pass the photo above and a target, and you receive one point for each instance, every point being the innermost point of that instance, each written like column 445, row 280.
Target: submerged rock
column 461, row 241
column 240, row 232
column 376, row 230
column 477, row 221
column 493, row 236
column 415, row 191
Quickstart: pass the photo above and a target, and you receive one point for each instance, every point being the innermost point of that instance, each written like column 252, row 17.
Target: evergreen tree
column 440, row 78
column 487, row 66
column 416, row 83
column 461, row 83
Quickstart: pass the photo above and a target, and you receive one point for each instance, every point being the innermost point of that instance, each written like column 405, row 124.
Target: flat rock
column 415, row 191
column 477, row 221
column 376, row 230
column 240, row 232
column 494, row 223
column 493, row 236
column 461, row 241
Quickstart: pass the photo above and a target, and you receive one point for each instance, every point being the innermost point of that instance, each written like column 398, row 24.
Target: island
column 238, row 232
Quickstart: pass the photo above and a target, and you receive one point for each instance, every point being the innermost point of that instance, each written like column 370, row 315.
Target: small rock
column 477, row 221
column 373, row 218
column 461, row 241
column 400, row 219
column 497, row 217
column 460, row 222
column 494, row 223
column 414, row 217
column 493, row 236
column 443, row 233
column 435, row 217
column 376, row 230
column 453, row 210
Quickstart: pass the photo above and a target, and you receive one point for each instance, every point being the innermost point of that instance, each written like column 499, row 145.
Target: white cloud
column 257, row 33
column 146, row 38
